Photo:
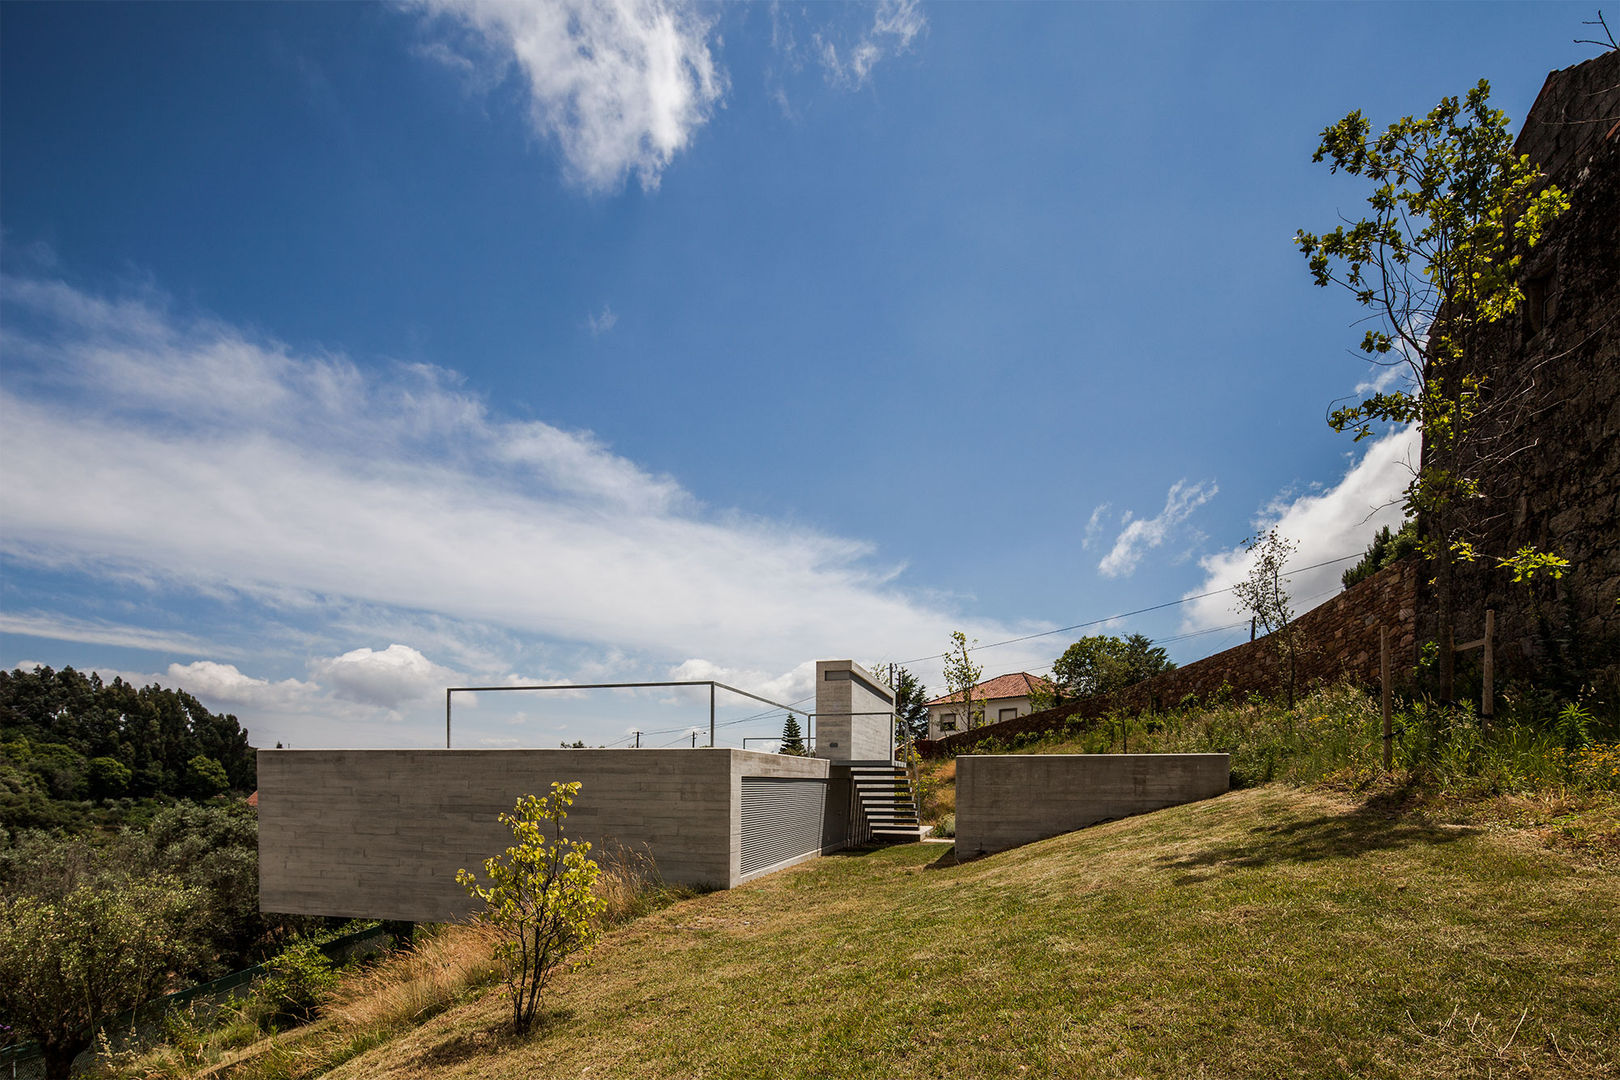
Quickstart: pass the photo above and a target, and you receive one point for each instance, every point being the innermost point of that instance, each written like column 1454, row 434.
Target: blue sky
column 350, row 351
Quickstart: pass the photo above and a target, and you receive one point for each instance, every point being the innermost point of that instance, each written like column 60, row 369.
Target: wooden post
column 1487, row 697
column 1383, row 672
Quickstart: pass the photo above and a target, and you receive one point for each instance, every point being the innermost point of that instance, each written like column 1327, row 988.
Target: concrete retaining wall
column 1004, row 800
column 381, row 833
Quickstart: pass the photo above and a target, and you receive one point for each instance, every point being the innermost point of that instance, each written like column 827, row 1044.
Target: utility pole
column 638, row 740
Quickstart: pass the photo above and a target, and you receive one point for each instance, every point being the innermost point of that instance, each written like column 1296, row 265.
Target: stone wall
column 1340, row 640
column 381, row 833
column 1004, row 800
column 1551, row 408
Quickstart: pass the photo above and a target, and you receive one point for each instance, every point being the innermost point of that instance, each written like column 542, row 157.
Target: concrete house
column 1005, row 697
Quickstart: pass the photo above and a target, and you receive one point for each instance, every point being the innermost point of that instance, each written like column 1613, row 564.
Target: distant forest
column 68, row 738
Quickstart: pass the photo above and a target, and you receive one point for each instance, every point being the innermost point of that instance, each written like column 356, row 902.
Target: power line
column 1128, row 614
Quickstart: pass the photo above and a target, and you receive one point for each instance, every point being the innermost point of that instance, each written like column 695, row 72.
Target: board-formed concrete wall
column 853, row 713
column 1004, row 800
column 381, row 833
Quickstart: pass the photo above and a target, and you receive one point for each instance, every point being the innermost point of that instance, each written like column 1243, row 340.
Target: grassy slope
column 1268, row 932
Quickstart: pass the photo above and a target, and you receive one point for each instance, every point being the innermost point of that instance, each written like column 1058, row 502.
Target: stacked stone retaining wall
column 1340, row 641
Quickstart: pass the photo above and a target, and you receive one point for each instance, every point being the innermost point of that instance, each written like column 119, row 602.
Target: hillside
column 1267, row 932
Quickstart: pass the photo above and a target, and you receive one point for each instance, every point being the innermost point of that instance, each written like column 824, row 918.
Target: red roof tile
column 1002, row 686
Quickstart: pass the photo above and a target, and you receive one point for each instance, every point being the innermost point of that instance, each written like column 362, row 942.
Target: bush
column 297, row 980
column 540, row 899
column 67, row 964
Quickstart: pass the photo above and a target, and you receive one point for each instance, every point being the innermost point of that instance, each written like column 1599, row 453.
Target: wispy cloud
column 1144, row 534
column 395, row 511
column 97, row 632
column 622, row 86
column 1094, row 526
column 602, row 321
column 1325, row 525
column 895, row 24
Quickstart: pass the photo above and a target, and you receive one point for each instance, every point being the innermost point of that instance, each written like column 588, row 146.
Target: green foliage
column 792, row 737
column 212, row 848
column 540, row 899
column 205, row 777
column 1263, row 594
column 66, row 729
column 961, row 676
column 1527, row 563
column 1103, row 664
column 910, row 704
column 108, row 777
column 1385, row 548
column 68, row 964
column 1436, row 262
column 296, row 981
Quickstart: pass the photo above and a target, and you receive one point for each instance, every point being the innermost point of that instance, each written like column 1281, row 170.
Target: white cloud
column 1143, row 534
column 1382, row 377
column 621, row 85
column 1094, row 525
column 97, row 632
column 895, row 24
column 787, row 687
column 395, row 500
column 601, row 322
column 388, row 679
column 1336, row 522
column 214, row 681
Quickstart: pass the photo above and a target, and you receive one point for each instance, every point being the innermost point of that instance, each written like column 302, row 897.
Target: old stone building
column 1552, row 398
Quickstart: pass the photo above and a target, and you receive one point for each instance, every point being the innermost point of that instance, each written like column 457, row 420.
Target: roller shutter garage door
column 781, row 820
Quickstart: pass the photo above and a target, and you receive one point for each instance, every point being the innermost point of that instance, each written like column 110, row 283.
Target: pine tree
column 792, row 738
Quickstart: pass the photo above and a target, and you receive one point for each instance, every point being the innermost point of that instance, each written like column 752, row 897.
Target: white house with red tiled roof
column 1005, row 697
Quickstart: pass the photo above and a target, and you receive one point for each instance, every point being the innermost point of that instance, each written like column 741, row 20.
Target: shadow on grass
column 1384, row 822
column 490, row 1040
column 860, row 852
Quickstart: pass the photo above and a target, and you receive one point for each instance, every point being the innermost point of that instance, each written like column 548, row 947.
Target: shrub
column 69, row 963
column 540, row 899
column 297, row 980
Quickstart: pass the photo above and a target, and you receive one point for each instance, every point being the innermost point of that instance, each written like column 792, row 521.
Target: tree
column 1103, row 664
column 1264, row 595
column 108, row 777
column 961, row 676
column 68, row 965
column 1385, row 548
column 910, row 704
column 540, row 899
column 792, row 737
column 1436, row 263
column 205, row 777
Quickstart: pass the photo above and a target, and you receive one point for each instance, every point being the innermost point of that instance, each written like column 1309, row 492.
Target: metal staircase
column 884, row 795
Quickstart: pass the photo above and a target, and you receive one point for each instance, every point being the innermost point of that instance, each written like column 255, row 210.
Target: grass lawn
column 1270, row 932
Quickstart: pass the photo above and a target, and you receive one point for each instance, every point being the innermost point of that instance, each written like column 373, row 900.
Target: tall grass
column 1559, row 758
column 445, row 967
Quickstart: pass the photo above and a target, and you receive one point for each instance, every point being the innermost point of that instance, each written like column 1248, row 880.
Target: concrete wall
column 853, row 718
column 1004, row 800
column 381, row 833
